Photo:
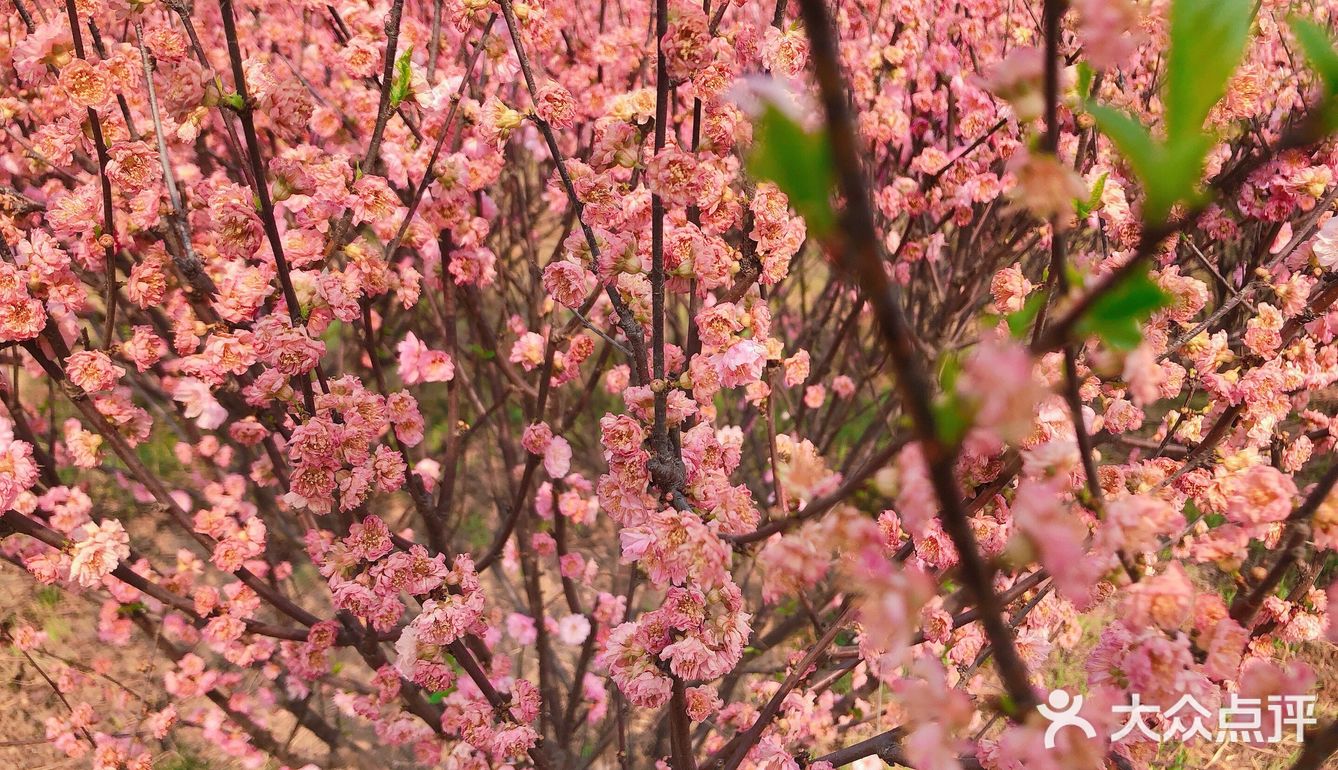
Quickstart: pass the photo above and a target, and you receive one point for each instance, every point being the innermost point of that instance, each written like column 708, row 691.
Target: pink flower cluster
column 476, row 384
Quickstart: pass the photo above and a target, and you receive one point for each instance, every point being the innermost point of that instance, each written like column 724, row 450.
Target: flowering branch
column 108, row 238
column 861, row 257
column 626, row 411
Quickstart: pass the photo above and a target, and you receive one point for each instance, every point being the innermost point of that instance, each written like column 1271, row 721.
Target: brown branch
column 1308, row 132
column 185, row 258
column 340, row 234
column 246, row 114
column 859, row 252
column 733, row 753
column 1290, row 550
column 21, row 524
column 1319, row 746
column 108, row 237
column 153, row 483
column 631, row 328
column 822, row 505
column 430, row 173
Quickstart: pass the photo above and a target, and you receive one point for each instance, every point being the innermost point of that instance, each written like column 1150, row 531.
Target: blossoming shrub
column 744, row 385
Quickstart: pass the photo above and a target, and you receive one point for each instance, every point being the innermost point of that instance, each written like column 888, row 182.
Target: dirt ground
column 27, row 699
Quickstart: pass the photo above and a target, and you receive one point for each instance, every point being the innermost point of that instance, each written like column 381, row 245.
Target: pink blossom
column 83, row 445
column 369, row 539
column 528, row 351
column 537, row 438
column 521, row 628
column 1325, row 245
column 685, row 42
column 1017, row 79
column 785, row 50
column 1225, row 649
column 555, row 105
column 557, row 457
column 18, row 471
column 702, row 702
column 1109, row 30
column 1059, row 537
column 86, row 84
column 742, row 363
column 1045, row 186
column 567, row 282
column 998, row 377
column 1260, row 495
column 573, row 629
column 21, row 318
column 1135, row 522
column 361, row 57
column 843, row 386
column 92, row 370
column 372, row 199
column 199, row 404
column 1165, row 601
column 1010, row 289
column 133, row 166
column 418, row 363
column 675, row 479
column 98, row 551
column 633, row 670
column 1263, row 679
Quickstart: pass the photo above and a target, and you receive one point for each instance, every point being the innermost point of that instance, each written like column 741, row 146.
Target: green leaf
column 1207, row 41
column 1019, row 323
column 950, row 366
column 1085, row 77
column 1115, row 317
column 952, row 419
column 1086, row 207
column 399, row 90
column 1071, row 270
column 799, row 162
column 1130, row 137
column 133, row 608
column 439, row 696
column 1168, row 172
column 1318, row 48
column 233, row 101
